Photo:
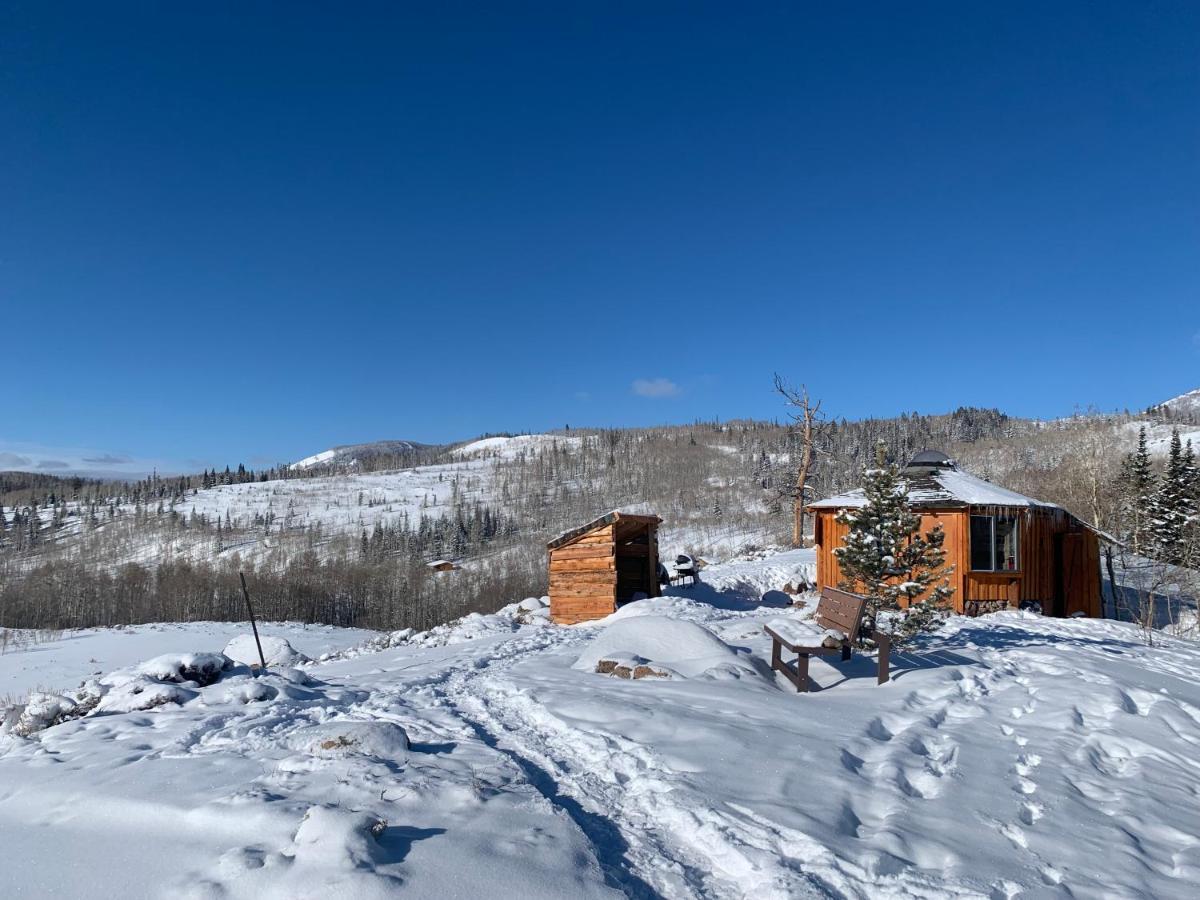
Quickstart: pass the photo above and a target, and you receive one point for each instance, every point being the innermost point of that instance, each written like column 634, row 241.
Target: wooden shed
column 1006, row 548
column 599, row 566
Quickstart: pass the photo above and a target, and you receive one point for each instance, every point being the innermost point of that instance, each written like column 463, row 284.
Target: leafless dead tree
column 810, row 428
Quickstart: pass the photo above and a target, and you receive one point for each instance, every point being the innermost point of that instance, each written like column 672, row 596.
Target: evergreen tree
column 1173, row 508
column 1191, row 476
column 885, row 557
column 1137, row 495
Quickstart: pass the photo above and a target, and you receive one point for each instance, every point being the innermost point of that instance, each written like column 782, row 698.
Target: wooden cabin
column 1006, row 548
column 442, row 565
column 597, row 567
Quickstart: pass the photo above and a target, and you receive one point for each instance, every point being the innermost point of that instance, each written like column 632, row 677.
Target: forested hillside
column 345, row 536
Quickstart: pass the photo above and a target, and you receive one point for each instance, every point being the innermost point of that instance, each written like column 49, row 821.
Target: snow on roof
column 439, row 562
column 942, row 486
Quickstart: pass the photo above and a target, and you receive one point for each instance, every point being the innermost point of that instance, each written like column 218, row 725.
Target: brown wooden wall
column 1059, row 568
column 583, row 578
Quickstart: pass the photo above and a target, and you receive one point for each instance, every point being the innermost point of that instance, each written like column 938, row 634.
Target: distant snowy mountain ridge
column 351, row 455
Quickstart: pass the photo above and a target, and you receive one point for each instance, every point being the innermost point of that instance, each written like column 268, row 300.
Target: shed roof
column 946, row 486
column 607, row 519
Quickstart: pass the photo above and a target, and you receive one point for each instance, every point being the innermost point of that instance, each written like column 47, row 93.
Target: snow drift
column 276, row 650
column 667, row 646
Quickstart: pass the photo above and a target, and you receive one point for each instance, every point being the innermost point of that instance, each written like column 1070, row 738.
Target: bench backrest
column 841, row 610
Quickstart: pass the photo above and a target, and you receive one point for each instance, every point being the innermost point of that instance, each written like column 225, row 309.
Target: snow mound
column 678, row 648
column 470, row 627
column 251, row 692
column 382, row 740
column 276, row 650
column 335, row 852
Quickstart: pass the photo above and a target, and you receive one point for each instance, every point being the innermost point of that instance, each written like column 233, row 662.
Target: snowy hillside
column 350, row 456
column 510, row 447
column 1185, row 404
column 1010, row 755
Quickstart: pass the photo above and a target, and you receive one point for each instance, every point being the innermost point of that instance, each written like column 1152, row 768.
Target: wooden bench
column 834, row 629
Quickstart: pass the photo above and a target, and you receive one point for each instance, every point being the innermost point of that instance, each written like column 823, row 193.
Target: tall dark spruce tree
column 1137, row 491
column 885, row 557
column 1173, row 509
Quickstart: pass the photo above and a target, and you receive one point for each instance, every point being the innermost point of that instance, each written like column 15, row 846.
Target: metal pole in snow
column 262, row 659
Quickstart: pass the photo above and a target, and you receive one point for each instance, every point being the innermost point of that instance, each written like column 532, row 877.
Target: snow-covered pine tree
column 1137, row 495
column 1172, row 509
column 1191, row 491
column 885, row 557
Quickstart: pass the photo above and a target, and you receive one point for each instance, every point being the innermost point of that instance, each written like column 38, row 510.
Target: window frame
column 993, row 518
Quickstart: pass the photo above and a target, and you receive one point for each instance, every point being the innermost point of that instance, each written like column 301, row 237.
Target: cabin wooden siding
column 591, row 569
column 1059, row 563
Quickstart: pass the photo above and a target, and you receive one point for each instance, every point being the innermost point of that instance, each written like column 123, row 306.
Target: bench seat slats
column 833, row 628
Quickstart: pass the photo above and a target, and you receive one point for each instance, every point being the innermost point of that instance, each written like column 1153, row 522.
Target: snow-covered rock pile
column 39, row 711
column 659, row 647
column 276, row 650
column 172, row 679
column 202, row 669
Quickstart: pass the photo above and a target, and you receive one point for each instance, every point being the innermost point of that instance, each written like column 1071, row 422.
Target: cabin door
column 1058, row 579
column 1076, row 580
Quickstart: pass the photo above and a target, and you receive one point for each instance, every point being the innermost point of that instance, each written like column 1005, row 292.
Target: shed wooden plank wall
column 583, row 578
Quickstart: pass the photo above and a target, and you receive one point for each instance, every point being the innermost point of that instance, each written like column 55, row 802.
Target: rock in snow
column 382, row 740
column 660, row 643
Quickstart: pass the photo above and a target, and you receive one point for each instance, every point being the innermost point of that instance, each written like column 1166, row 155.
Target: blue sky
column 246, row 232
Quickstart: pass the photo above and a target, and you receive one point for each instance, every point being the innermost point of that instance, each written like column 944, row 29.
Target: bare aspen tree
column 810, row 427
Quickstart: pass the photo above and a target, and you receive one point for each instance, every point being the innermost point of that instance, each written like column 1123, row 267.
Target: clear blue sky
column 248, row 231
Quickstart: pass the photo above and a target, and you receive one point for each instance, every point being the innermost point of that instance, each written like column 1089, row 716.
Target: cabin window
column 994, row 543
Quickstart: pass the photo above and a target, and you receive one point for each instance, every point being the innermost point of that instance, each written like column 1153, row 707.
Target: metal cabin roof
column 942, row 487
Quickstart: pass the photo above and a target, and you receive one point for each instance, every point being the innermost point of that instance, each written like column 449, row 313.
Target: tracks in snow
column 652, row 832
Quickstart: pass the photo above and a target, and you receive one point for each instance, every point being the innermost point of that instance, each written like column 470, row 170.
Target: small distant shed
column 599, row 566
column 442, row 565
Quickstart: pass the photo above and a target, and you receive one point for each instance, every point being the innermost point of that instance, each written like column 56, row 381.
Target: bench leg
column 885, row 657
column 802, row 673
column 776, row 659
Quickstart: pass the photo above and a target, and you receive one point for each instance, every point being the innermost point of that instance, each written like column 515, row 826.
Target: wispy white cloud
column 108, row 459
column 655, row 387
column 22, row 456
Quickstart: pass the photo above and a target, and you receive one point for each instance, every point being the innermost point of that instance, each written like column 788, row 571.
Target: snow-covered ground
column 59, row 661
column 1009, row 756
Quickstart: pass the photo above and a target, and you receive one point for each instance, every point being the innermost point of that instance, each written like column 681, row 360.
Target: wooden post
column 885, row 656
column 254, row 625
